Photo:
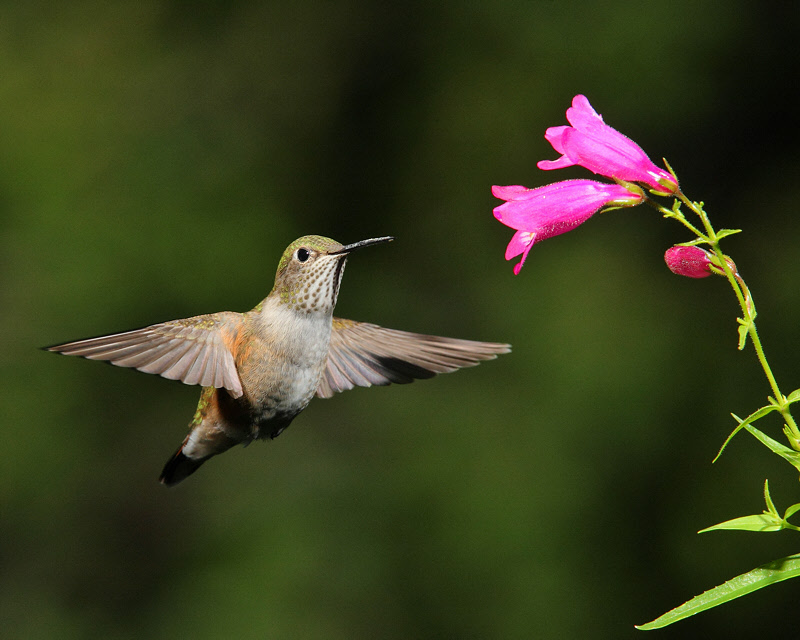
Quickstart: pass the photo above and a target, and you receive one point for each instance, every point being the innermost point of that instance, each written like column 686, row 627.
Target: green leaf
column 758, row 413
column 743, row 329
column 794, row 396
column 760, row 577
column 761, row 522
column 790, row 455
column 791, row 511
column 791, row 437
column 768, row 499
column 769, row 520
column 727, row 232
column 692, row 243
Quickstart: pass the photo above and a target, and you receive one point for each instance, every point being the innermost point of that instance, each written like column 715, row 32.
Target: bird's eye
column 303, row 254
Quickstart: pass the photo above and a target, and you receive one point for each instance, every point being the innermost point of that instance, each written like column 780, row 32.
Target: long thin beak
column 360, row 245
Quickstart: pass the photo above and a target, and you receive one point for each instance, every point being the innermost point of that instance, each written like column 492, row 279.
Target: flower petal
column 521, row 242
column 562, row 204
column 561, row 163
column 582, row 115
column 510, row 192
column 553, row 136
column 594, row 145
column 544, row 212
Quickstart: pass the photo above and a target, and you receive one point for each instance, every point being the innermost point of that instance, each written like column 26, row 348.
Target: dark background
column 155, row 160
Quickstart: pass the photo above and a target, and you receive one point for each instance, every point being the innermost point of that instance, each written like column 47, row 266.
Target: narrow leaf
column 791, row 437
column 727, row 232
column 762, row 576
column 761, row 522
column 768, row 499
column 791, row 511
column 742, row 335
column 757, row 414
column 794, row 396
column 790, row 455
column 769, row 520
column 692, row 243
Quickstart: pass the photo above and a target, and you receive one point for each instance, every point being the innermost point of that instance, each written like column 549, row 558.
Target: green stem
column 748, row 312
column 667, row 213
column 713, row 242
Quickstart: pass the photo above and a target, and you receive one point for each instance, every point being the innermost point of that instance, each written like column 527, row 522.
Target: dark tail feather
column 179, row 467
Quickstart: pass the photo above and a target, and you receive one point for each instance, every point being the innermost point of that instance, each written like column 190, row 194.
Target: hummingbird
column 258, row 370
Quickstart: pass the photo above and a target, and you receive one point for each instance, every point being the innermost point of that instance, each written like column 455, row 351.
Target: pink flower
column 553, row 209
column 592, row 144
column 692, row 262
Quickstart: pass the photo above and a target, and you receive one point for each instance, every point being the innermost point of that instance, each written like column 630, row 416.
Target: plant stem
column 748, row 312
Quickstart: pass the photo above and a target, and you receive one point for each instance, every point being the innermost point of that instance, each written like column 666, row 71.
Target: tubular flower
column 692, row 262
column 544, row 212
column 592, row 144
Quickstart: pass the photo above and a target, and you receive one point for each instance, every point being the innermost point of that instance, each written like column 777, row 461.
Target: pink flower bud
column 553, row 209
column 592, row 144
column 692, row 262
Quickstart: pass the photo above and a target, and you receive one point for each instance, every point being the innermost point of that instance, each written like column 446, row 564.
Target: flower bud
column 692, row 262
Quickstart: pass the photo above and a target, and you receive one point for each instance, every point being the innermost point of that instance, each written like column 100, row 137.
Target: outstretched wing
column 363, row 354
column 192, row 350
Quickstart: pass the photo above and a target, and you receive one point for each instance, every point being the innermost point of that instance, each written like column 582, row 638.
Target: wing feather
column 195, row 374
column 363, row 354
column 193, row 350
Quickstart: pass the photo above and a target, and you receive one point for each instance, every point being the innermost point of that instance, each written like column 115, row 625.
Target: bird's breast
column 284, row 364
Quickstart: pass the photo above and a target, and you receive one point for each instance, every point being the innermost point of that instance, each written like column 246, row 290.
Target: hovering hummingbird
column 261, row 368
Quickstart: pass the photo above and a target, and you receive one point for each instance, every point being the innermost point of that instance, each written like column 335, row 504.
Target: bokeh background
column 155, row 160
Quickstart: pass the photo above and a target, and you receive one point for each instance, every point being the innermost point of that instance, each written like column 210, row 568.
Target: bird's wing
column 193, row 350
column 363, row 354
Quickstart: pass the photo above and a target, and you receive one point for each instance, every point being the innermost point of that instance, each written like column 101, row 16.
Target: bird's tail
column 194, row 451
column 179, row 467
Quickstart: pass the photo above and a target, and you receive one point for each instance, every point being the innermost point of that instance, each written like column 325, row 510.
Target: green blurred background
column 155, row 160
